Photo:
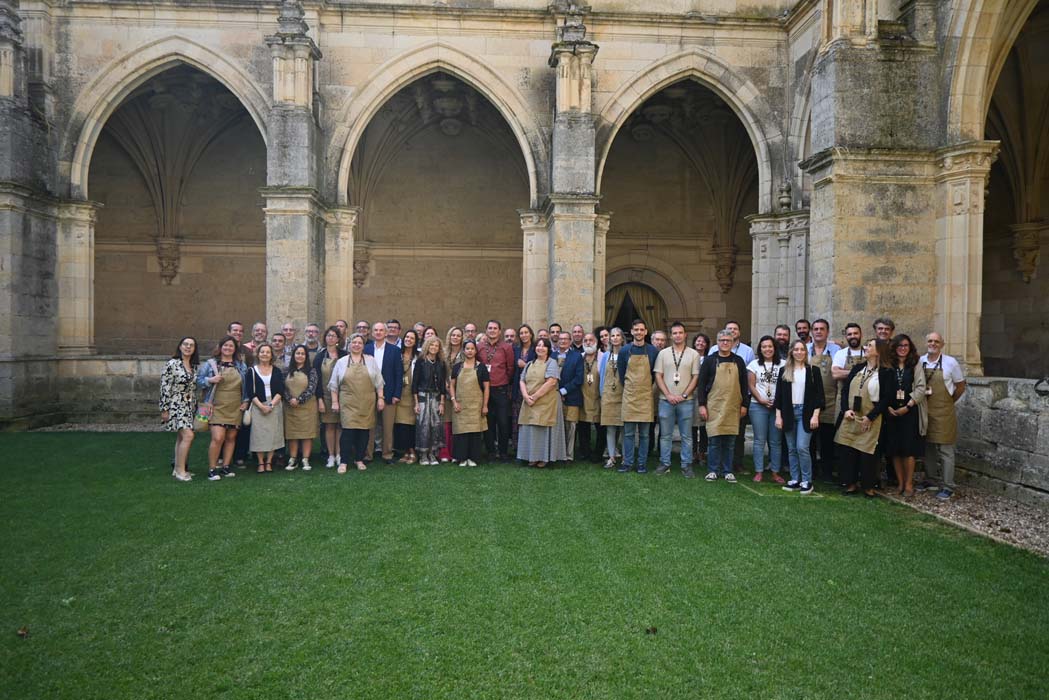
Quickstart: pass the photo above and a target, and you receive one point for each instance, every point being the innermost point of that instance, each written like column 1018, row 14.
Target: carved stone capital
column 969, row 159
column 725, row 266
column 1026, row 245
column 362, row 260
column 168, row 258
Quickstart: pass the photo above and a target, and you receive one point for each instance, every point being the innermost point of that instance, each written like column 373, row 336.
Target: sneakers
column 757, row 477
column 730, row 478
column 226, row 472
column 792, row 486
column 471, row 463
column 689, row 474
column 806, row 488
column 624, row 468
column 925, row 485
column 944, row 494
column 711, row 476
column 777, row 478
column 642, row 469
column 662, row 469
column 610, row 464
column 330, row 463
column 213, row 475
column 291, row 465
column 306, row 465
column 464, row 463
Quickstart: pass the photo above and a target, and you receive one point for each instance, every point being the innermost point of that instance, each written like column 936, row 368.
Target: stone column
column 294, row 251
column 779, row 270
column 602, row 222
column 339, row 239
column 535, row 268
column 962, row 172
column 75, row 264
column 571, row 230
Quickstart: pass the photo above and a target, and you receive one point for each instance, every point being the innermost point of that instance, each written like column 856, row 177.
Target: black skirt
column 900, row 436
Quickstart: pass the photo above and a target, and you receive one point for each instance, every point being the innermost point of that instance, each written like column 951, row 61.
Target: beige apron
column 637, row 391
column 405, row 412
column 227, row 399
column 544, row 411
column 943, row 422
column 445, row 401
column 591, row 392
column 849, row 432
column 824, row 362
column 300, row 422
column 357, row 398
column 468, row 393
column 612, row 396
column 724, row 401
column 329, row 416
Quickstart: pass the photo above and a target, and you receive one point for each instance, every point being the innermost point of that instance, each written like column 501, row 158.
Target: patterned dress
column 178, row 395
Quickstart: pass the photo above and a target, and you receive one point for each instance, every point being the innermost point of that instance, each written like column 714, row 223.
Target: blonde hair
column 788, row 369
column 426, row 347
column 448, row 341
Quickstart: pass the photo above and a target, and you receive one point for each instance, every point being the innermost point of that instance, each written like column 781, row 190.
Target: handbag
column 205, row 408
column 246, row 420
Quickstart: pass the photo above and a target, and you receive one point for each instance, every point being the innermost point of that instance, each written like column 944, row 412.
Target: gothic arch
column 737, row 91
column 102, row 95
column 656, row 273
column 432, row 57
column 983, row 32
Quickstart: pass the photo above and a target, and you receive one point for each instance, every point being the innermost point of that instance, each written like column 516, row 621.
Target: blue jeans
column 681, row 415
column 798, row 447
column 720, row 449
column 763, row 421
column 635, row 433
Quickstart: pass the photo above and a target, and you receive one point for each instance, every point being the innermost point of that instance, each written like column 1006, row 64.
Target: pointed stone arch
column 102, row 95
column 407, row 67
column 736, row 90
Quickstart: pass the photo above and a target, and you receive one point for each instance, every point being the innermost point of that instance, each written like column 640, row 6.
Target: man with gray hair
column 721, row 395
column 944, row 385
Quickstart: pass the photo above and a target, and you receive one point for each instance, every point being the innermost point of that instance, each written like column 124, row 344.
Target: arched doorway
column 180, row 242
column 439, row 176
column 1014, row 330
column 680, row 177
column 626, row 302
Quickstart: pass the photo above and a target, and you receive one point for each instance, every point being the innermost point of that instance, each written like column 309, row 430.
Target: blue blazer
column 571, row 381
column 392, row 370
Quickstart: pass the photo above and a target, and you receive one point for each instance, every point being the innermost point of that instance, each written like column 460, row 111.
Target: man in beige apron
column 721, row 394
column 944, row 385
column 591, row 414
column 636, row 364
column 821, row 356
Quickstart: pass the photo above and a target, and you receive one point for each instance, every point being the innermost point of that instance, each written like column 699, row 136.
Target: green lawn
column 494, row 582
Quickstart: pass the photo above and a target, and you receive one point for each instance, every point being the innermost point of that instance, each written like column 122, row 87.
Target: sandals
column 341, row 469
column 269, row 466
column 261, row 469
column 361, row 466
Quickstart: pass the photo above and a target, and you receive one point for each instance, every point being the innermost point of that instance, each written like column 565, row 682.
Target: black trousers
column 240, row 447
column 468, row 446
column 582, row 431
column 602, row 442
column 498, row 422
column 353, row 445
column 857, row 466
column 699, row 442
column 826, row 446
column 737, row 454
column 403, row 437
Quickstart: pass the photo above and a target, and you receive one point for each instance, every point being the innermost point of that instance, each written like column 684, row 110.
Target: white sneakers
column 306, row 465
column 291, row 465
column 331, row 462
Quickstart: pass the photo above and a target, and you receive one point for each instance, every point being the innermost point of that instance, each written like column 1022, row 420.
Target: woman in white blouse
column 356, row 394
column 762, row 373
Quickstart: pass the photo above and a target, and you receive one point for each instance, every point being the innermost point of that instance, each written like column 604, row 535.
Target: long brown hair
column 912, row 354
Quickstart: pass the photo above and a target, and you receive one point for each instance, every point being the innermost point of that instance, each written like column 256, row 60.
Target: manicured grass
column 494, row 582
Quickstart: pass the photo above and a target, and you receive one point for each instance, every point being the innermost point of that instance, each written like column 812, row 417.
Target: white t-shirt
column 765, row 378
column 797, row 387
column 952, row 371
column 266, row 383
column 840, row 355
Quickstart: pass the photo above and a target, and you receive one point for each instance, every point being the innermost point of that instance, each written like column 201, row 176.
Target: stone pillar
column 339, row 239
column 294, row 251
column 535, row 268
column 601, row 225
column 571, row 230
column 75, row 265
column 780, row 268
column 962, row 172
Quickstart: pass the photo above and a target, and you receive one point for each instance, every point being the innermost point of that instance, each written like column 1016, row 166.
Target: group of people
column 554, row 395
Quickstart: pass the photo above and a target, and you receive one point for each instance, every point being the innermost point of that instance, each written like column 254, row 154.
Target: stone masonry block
column 1011, row 429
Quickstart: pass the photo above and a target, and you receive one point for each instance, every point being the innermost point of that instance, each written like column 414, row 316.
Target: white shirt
column 380, row 352
column 765, row 386
column 874, row 387
column 797, row 387
column 840, row 355
column 266, row 384
column 745, row 352
column 952, row 371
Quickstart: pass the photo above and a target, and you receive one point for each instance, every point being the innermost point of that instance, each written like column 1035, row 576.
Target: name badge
column 900, row 394
column 590, row 379
column 677, row 377
column 488, row 367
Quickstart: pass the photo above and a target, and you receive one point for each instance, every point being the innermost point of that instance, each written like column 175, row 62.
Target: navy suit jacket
column 392, row 370
column 572, row 378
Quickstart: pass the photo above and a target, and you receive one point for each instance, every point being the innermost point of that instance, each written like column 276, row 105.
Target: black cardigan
column 813, row 397
column 885, row 380
column 258, row 389
column 318, row 360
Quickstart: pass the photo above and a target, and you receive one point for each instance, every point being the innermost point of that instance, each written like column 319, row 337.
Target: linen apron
column 943, row 422
column 404, row 414
column 300, row 422
column 329, row 416
column 227, row 398
column 357, row 398
column 612, row 396
column 849, row 432
column 724, row 401
column 544, row 411
column 591, row 392
column 637, row 391
column 449, row 409
column 468, row 392
column 823, row 363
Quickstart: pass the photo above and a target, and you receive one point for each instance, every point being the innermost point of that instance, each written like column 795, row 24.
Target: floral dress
column 178, row 396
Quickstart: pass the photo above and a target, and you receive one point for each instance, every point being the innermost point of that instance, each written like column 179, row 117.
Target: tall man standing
column 821, row 356
column 944, row 385
column 659, row 342
column 721, row 395
column 570, row 386
column 389, row 360
column 677, row 373
column 591, row 414
column 636, row 364
column 497, row 355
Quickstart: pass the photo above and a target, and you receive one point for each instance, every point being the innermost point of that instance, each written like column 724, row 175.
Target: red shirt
column 499, row 358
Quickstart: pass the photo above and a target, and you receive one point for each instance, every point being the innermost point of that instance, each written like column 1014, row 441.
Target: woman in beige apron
column 468, row 393
column 300, row 417
column 723, row 408
column 266, row 383
column 638, row 409
column 858, row 432
column 454, row 355
column 222, row 377
column 323, row 362
column 612, row 396
column 356, row 389
column 404, row 416
column 541, row 426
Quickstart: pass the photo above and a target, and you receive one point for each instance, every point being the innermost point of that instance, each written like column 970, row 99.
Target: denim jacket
column 209, row 369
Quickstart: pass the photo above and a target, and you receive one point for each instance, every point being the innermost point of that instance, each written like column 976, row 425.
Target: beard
column 854, row 343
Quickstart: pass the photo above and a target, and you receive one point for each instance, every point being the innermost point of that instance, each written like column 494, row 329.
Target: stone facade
column 167, row 168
